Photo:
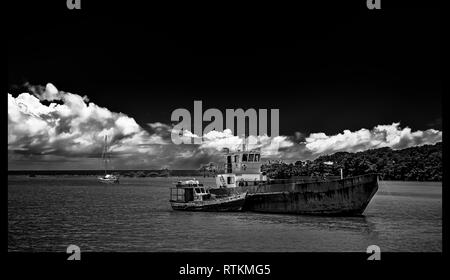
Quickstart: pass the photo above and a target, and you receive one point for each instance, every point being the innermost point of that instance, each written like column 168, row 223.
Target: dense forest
column 423, row 163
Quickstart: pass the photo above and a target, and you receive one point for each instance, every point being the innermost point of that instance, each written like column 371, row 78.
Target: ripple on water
column 49, row 213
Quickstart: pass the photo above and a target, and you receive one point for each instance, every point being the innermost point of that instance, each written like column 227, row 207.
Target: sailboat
column 107, row 178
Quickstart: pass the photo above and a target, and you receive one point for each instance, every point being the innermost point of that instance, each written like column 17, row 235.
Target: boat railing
column 313, row 179
column 296, row 181
column 279, row 185
column 178, row 185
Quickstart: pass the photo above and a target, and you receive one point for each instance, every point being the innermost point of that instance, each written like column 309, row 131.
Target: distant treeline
column 423, row 163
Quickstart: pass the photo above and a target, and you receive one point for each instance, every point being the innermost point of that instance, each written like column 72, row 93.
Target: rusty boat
column 307, row 196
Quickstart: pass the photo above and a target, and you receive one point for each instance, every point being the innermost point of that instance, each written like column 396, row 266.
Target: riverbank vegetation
column 423, row 163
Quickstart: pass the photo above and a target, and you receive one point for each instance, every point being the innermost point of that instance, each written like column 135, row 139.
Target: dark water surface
column 50, row 213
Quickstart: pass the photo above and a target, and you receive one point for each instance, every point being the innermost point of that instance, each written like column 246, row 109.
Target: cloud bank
column 71, row 126
column 48, row 128
column 392, row 136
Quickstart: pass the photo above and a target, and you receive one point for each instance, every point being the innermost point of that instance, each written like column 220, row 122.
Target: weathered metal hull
column 226, row 204
column 349, row 196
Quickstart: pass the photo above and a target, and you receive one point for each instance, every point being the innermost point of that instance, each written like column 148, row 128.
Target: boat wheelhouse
column 242, row 168
column 190, row 190
column 192, row 196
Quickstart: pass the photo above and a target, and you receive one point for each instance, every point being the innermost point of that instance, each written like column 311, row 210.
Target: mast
column 105, row 154
column 244, row 143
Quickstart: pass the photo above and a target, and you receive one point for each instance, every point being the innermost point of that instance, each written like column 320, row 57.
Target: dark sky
column 325, row 69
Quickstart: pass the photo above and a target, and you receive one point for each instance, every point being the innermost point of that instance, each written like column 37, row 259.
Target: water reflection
column 354, row 224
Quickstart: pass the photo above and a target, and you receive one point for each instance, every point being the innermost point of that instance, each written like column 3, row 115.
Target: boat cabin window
column 244, row 157
column 257, row 157
column 230, row 180
column 250, row 157
column 236, row 158
column 199, row 190
column 177, row 194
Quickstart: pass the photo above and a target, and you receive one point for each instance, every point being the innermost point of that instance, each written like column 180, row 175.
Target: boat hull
column 108, row 181
column 227, row 204
column 349, row 196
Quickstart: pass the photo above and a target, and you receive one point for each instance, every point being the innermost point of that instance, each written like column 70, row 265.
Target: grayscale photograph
column 318, row 133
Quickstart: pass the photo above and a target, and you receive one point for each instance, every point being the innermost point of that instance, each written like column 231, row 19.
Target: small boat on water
column 192, row 196
column 107, row 178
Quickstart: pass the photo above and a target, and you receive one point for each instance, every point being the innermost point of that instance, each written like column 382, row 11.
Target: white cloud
column 270, row 146
column 73, row 127
column 392, row 136
column 158, row 125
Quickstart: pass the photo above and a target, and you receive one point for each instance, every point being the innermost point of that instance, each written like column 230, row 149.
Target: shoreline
column 198, row 176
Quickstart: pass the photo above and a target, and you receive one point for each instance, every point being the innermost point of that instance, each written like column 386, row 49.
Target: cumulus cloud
column 73, row 126
column 218, row 140
column 51, row 129
column 57, row 129
column 392, row 136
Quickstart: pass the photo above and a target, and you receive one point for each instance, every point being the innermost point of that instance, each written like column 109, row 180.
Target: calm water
column 50, row 213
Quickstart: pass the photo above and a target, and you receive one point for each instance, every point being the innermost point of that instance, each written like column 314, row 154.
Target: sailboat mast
column 105, row 151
